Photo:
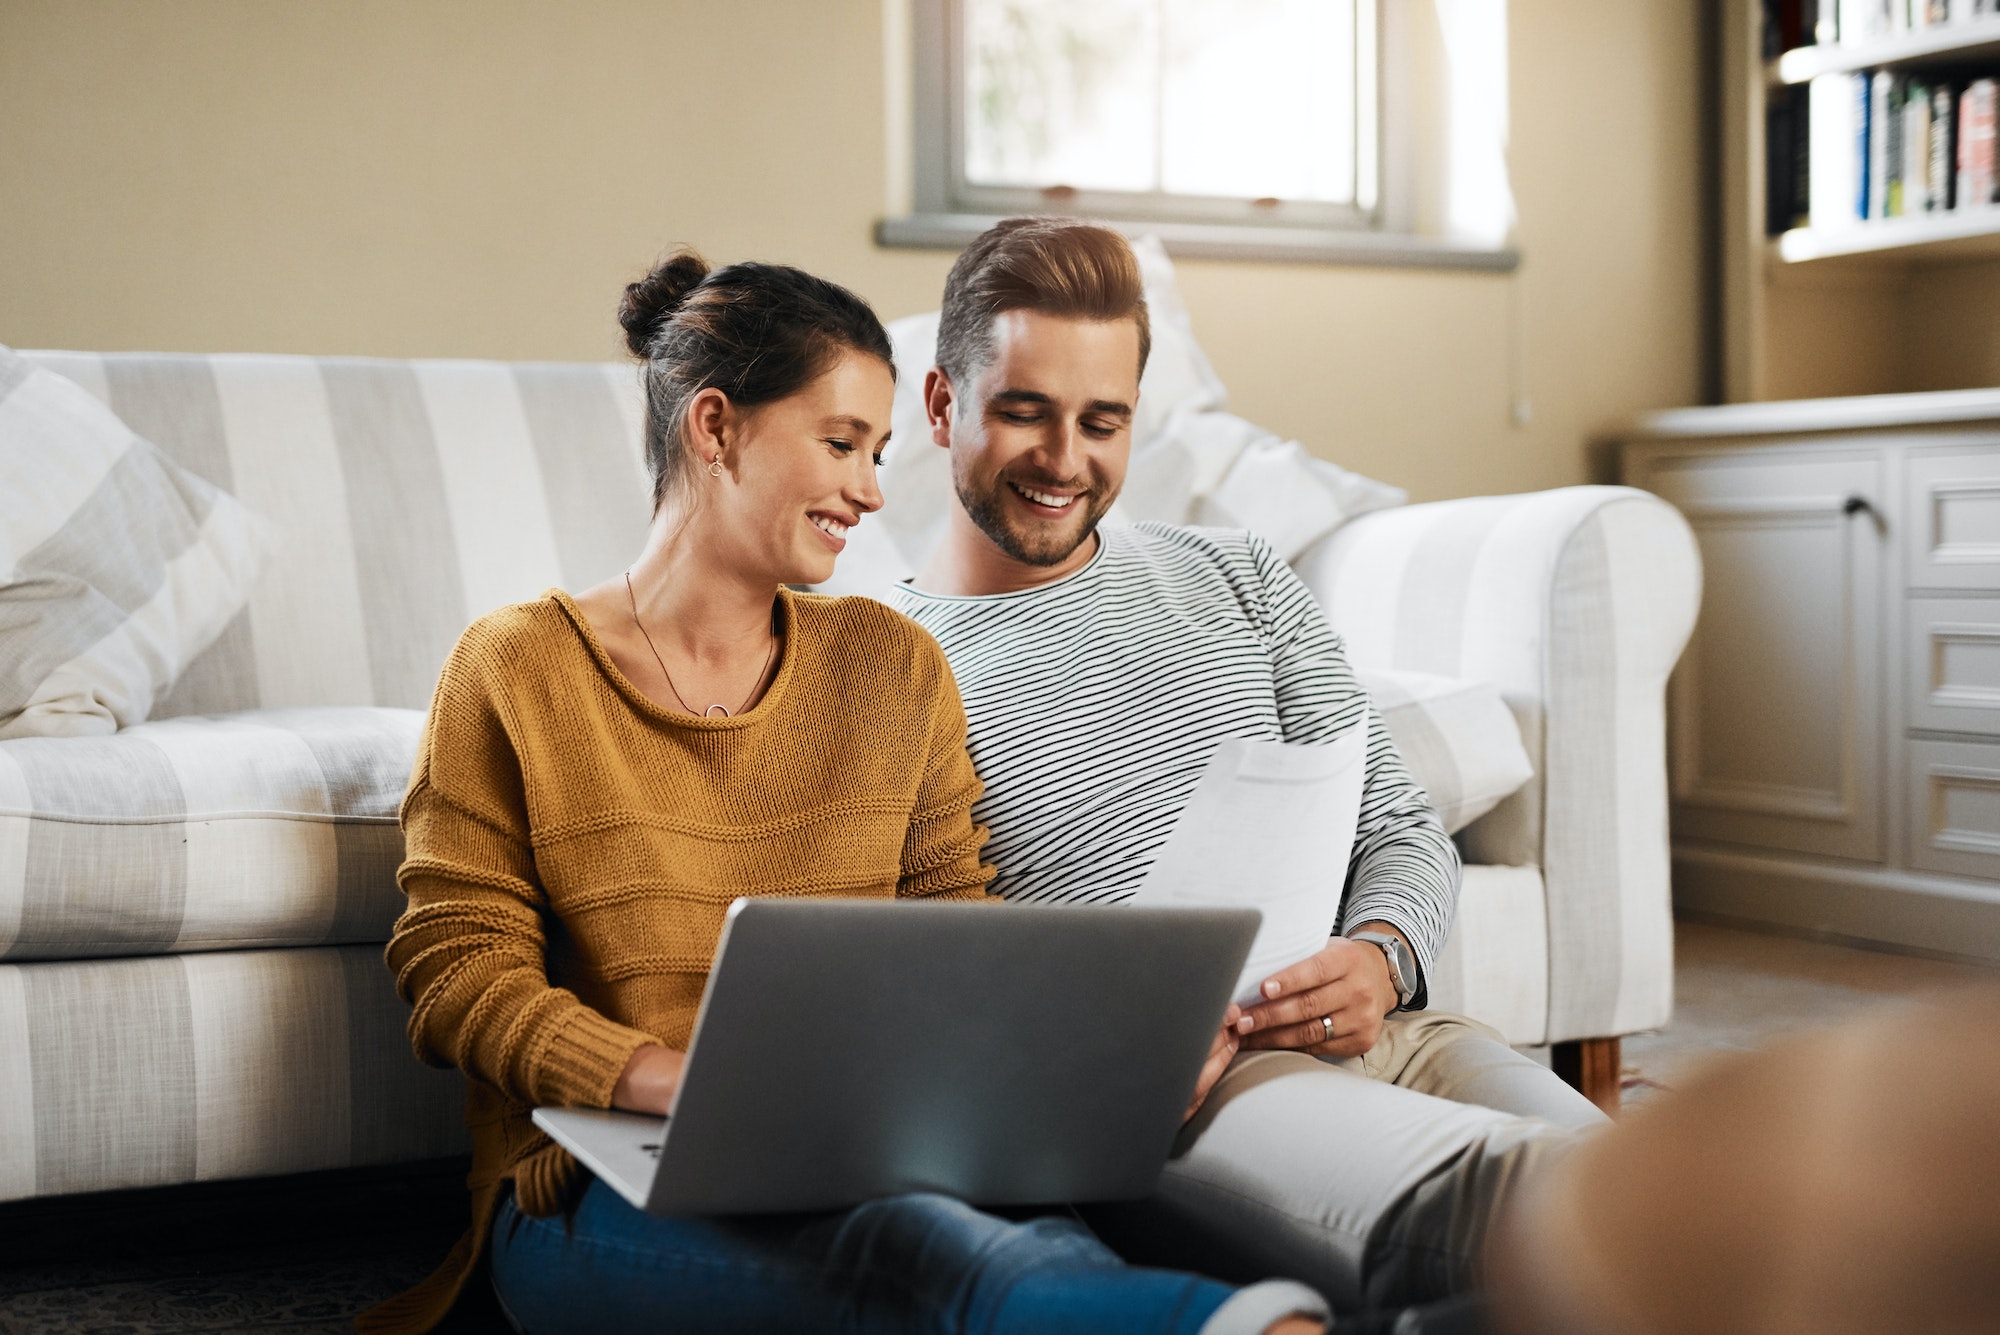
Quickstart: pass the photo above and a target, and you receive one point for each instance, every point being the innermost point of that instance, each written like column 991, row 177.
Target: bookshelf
column 1883, row 304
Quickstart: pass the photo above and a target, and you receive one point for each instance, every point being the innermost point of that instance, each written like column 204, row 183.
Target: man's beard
column 1044, row 548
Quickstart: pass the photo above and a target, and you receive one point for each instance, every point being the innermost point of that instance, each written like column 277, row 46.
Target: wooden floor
column 1736, row 989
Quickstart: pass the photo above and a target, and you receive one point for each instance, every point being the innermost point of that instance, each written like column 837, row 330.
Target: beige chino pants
column 1375, row 1180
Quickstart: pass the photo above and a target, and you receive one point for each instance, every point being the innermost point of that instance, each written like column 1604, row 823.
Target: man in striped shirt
column 1100, row 668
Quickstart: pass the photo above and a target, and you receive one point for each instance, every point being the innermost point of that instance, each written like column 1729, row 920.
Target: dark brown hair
column 1058, row 266
column 757, row 332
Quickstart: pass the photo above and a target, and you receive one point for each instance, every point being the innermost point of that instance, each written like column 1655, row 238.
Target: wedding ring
column 1327, row 1020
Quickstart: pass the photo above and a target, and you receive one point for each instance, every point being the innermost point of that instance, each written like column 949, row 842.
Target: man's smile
column 1052, row 500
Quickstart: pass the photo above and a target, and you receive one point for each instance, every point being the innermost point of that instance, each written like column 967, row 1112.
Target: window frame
column 945, row 211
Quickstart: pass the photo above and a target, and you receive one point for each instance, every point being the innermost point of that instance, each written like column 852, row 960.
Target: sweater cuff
column 581, row 1064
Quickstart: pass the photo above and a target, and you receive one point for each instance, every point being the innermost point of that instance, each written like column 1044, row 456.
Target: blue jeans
column 908, row 1263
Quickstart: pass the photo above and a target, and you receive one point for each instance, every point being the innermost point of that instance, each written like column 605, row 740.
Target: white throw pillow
column 1193, row 462
column 117, row 565
column 1458, row 738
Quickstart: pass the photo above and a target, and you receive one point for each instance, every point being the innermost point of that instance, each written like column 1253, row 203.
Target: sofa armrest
column 1577, row 602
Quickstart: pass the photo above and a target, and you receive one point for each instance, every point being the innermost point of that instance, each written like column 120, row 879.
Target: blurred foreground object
column 1838, row 1183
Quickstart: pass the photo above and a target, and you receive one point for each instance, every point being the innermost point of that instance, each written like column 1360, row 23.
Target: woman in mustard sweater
column 601, row 775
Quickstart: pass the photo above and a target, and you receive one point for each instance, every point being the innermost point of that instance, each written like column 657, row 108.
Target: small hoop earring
column 715, row 467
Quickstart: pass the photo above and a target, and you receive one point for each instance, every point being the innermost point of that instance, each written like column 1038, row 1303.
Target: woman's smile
column 833, row 528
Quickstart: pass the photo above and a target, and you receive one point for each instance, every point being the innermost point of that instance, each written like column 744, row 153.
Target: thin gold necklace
column 727, row 712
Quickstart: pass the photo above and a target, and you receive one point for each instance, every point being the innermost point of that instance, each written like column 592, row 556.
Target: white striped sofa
column 192, row 911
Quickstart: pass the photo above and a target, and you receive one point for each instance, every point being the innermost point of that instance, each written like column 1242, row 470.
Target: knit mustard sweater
column 572, row 848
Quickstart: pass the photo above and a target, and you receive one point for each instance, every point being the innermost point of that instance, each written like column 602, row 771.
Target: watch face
column 1406, row 970
column 1402, row 964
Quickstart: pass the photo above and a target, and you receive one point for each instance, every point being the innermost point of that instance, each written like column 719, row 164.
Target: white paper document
column 1270, row 826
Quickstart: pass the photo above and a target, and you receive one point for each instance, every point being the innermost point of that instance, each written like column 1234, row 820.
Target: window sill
column 1220, row 241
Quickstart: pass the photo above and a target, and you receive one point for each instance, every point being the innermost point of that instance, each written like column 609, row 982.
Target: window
column 1248, row 128
column 1180, row 108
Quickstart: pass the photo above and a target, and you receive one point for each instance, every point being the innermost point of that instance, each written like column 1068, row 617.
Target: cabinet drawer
column 1954, row 676
column 1954, row 797
column 1952, row 521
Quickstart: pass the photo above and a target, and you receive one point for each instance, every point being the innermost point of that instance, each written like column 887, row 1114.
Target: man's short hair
column 1057, row 266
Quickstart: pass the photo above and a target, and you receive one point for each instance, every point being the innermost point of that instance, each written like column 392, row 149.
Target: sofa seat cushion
column 1458, row 737
column 275, row 827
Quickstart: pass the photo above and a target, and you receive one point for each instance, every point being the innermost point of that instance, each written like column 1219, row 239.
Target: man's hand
column 1220, row 1053
column 649, row 1080
column 1346, row 981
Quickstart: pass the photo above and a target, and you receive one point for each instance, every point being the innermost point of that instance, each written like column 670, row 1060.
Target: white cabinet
column 1774, row 738
column 1834, row 743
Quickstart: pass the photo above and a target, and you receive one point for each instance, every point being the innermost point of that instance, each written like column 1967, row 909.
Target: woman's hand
column 649, row 1080
column 1220, row 1053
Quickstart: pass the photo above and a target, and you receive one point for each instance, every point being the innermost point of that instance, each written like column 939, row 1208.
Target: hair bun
column 658, row 295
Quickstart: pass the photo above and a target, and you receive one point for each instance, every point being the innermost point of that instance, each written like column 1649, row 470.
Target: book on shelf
column 1880, row 127
column 1855, row 18
column 1864, row 144
column 1913, row 164
column 1944, row 147
column 1833, row 126
column 1976, row 172
column 1791, row 23
column 1788, row 145
column 1879, row 144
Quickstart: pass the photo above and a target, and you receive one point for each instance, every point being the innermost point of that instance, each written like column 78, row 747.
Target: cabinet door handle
column 1858, row 504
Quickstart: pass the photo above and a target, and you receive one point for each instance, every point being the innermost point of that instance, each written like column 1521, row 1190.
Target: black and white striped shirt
column 1095, row 702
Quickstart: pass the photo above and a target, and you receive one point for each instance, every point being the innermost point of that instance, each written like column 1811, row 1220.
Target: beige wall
column 1874, row 326
column 430, row 179
column 1950, row 322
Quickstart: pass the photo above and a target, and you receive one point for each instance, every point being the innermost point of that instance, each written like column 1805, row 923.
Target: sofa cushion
column 117, row 566
column 1458, row 738
column 270, row 828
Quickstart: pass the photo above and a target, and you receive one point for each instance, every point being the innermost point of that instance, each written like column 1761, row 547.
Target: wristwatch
column 1403, row 973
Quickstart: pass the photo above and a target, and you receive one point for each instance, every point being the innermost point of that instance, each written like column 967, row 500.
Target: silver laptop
column 850, row 1049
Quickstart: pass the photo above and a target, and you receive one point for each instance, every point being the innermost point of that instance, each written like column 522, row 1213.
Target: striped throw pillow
column 117, row 566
